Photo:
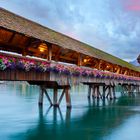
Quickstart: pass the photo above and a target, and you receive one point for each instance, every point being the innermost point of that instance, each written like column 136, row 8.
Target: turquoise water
column 22, row 119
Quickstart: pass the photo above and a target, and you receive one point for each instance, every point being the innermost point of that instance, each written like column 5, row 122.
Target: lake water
column 22, row 119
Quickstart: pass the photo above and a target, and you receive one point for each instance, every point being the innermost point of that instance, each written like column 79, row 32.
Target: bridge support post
column 129, row 90
column 137, row 89
column 41, row 95
column 98, row 92
column 93, row 92
column 68, row 98
column 109, row 92
column 113, row 91
column 104, row 92
column 89, row 91
column 55, row 94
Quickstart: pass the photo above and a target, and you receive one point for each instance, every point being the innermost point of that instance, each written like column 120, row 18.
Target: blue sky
column 110, row 25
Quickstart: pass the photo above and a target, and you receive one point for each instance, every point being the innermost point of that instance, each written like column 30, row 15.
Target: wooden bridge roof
column 29, row 28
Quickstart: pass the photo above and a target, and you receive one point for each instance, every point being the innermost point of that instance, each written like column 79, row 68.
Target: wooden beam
column 67, row 58
column 12, row 37
column 126, row 72
column 118, row 70
column 57, row 55
column 100, row 64
column 27, row 45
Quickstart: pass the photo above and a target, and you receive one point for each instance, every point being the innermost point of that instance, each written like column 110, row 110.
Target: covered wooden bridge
column 52, row 60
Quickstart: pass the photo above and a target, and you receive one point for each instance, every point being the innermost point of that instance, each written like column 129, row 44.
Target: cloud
column 132, row 5
column 107, row 25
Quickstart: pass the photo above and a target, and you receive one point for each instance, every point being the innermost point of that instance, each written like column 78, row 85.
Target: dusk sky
column 110, row 25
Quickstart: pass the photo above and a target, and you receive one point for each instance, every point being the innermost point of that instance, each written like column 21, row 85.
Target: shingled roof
column 19, row 24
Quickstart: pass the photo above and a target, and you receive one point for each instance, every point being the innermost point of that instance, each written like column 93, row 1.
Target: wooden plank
column 12, row 37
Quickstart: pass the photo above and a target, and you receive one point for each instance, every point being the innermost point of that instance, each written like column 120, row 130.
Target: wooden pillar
column 79, row 59
column 98, row 94
column 104, row 92
column 24, row 53
column 118, row 70
column 89, row 91
column 122, row 90
column 126, row 72
column 55, row 115
column 41, row 95
column 129, row 90
column 55, row 93
column 68, row 115
column 49, row 52
column 110, row 93
column 68, row 99
column 100, row 64
column 138, row 89
column 113, row 91
column 93, row 91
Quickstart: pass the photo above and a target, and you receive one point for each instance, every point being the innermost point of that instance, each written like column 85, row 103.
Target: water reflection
column 96, row 123
column 22, row 119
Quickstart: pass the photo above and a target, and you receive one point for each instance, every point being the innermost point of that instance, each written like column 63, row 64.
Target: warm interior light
column 107, row 66
column 85, row 60
column 42, row 47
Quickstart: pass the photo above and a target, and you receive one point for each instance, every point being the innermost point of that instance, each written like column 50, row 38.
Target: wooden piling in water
column 41, row 95
column 68, row 98
column 89, row 91
column 53, row 85
column 55, row 94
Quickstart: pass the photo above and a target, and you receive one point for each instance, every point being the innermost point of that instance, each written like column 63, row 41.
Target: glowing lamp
column 107, row 66
column 85, row 60
column 42, row 47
